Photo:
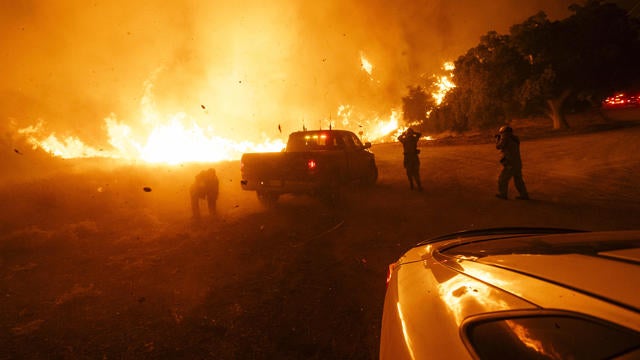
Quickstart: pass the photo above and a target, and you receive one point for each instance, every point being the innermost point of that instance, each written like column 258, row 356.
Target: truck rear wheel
column 267, row 199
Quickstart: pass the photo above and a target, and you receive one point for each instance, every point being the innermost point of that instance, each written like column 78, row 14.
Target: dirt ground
column 92, row 266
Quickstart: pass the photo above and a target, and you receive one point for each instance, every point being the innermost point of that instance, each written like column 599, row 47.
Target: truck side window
column 348, row 142
column 332, row 142
column 356, row 142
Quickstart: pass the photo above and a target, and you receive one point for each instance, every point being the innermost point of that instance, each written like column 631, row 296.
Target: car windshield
column 548, row 336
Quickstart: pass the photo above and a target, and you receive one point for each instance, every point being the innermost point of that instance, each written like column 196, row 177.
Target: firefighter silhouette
column 205, row 187
column 509, row 146
column 409, row 140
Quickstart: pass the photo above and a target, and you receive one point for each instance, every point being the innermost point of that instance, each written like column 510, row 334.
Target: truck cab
column 316, row 162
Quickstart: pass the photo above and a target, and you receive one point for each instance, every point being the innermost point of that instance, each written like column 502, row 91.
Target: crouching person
column 205, row 187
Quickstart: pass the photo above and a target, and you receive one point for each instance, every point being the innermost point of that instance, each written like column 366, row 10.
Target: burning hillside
column 200, row 81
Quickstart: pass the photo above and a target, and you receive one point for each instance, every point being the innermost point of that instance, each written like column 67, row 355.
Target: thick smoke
column 240, row 67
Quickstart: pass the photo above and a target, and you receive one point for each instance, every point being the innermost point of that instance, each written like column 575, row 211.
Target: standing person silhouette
column 509, row 145
column 409, row 140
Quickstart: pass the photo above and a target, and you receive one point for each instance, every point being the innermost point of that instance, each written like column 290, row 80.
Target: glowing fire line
column 181, row 140
column 178, row 138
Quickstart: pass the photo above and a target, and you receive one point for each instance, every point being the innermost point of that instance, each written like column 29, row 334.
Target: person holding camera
column 509, row 145
column 409, row 140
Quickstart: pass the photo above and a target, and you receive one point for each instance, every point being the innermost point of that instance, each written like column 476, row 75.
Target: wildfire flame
column 365, row 64
column 179, row 138
column 69, row 147
column 171, row 140
column 444, row 84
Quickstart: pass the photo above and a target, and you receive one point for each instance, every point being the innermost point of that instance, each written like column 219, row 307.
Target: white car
column 515, row 293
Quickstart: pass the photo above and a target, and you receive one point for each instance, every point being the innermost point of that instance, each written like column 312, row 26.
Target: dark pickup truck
column 316, row 163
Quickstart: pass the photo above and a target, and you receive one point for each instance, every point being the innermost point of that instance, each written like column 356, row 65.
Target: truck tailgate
column 274, row 170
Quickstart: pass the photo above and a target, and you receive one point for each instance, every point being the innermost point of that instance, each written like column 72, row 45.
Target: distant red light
column 311, row 164
column 622, row 100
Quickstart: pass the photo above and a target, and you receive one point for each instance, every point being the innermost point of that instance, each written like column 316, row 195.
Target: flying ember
column 365, row 64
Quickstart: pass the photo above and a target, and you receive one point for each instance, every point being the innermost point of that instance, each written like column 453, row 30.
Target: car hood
column 585, row 270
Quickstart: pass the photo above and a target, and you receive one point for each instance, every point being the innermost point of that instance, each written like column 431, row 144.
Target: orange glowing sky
column 237, row 69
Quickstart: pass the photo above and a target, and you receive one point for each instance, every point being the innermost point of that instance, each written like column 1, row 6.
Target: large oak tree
column 541, row 65
column 590, row 54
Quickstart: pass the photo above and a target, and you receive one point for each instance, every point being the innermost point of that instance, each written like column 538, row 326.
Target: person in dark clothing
column 509, row 145
column 205, row 187
column 409, row 140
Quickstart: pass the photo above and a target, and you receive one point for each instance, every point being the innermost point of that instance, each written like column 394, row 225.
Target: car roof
column 321, row 131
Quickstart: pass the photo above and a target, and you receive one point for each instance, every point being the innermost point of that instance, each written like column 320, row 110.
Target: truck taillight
column 311, row 164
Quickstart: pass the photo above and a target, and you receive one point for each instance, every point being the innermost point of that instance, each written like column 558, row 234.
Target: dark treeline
column 541, row 68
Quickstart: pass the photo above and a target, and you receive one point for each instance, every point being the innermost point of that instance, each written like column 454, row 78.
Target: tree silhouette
column 416, row 104
column 586, row 56
column 487, row 76
column 542, row 64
